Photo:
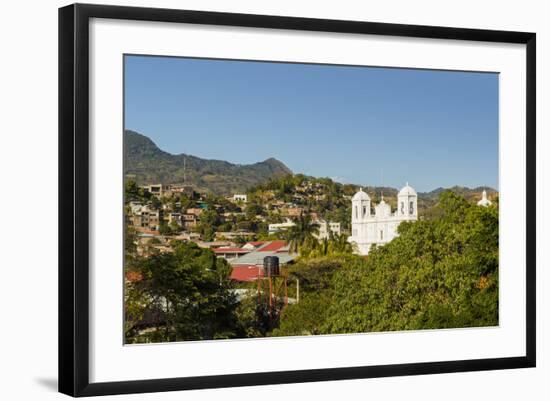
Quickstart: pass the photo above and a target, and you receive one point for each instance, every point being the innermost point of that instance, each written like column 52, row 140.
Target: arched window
column 411, row 207
column 364, row 211
column 402, row 207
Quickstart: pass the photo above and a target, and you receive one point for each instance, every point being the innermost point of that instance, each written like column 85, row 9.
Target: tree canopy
column 184, row 295
column 439, row 273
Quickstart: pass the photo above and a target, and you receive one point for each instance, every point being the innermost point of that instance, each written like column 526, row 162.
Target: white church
column 484, row 201
column 381, row 227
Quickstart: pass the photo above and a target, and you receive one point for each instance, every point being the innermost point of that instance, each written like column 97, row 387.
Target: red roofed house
column 273, row 246
column 246, row 272
column 249, row 267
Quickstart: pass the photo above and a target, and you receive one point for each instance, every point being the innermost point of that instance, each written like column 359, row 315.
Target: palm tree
column 303, row 231
column 340, row 245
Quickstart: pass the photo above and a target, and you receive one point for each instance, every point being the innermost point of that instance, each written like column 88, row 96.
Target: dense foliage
column 184, row 295
column 439, row 273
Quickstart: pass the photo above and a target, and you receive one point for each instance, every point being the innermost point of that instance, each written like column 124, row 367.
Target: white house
column 276, row 227
column 240, row 198
column 381, row 227
column 324, row 227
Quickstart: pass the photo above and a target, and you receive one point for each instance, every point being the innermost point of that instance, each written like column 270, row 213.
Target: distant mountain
column 426, row 200
column 429, row 199
column 148, row 165
column 468, row 193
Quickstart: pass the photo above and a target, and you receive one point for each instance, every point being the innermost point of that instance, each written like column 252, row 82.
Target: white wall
column 28, row 159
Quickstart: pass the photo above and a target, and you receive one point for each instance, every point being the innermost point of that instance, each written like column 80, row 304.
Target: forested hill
column 427, row 200
column 148, row 164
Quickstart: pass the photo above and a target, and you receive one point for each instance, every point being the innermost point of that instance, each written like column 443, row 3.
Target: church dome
column 407, row 190
column 382, row 209
column 361, row 196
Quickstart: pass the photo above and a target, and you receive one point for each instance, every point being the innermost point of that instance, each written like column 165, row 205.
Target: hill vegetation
column 331, row 200
column 147, row 164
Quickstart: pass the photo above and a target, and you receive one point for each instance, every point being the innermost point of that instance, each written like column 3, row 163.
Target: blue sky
column 361, row 125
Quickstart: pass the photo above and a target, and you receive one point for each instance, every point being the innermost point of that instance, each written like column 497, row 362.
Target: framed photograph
column 251, row 199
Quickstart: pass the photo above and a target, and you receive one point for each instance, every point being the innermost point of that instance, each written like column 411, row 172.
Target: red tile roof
column 246, row 272
column 273, row 246
column 256, row 243
column 133, row 276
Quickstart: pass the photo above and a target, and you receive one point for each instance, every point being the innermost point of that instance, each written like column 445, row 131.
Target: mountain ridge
column 148, row 164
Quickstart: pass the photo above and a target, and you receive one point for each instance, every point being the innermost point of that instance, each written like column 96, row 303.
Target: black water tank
column 271, row 266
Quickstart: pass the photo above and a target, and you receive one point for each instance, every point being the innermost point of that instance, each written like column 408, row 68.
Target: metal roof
column 257, row 258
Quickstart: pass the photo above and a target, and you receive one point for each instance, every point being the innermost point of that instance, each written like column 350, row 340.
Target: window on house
column 364, row 211
column 411, row 207
column 381, row 234
column 356, row 213
column 402, row 207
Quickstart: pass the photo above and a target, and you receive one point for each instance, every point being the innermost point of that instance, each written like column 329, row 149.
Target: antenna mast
column 184, row 160
column 382, row 183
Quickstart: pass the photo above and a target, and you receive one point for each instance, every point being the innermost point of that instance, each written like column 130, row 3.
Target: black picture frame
column 74, row 198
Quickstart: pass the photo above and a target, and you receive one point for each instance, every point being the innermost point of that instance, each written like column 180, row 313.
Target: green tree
column 438, row 273
column 174, row 227
column 253, row 209
column 304, row 318
column 132, row 192
column 308, row 316
column 252, row 316
column 186, row 295
column 209, row 220
column 186, row 202
column 155, row 202
column 302, row 233
column 334, row 245
column 164, row 229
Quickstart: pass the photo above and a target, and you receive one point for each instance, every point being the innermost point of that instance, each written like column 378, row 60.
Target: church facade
column 380, row 227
